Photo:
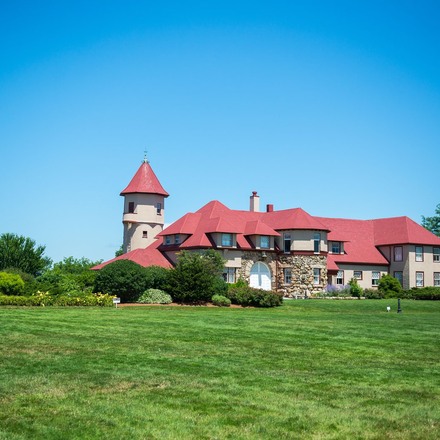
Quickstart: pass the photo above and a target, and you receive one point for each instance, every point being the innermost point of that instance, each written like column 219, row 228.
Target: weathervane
column 145, row 156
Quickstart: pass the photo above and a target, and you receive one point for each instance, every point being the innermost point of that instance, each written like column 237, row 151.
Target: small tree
column 433, row 223
column 22, row 253
column 196, row 277
column 389, row 286
column 122, row 278
column 355, row 289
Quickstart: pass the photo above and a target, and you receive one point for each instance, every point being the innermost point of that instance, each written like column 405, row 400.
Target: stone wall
column 301, row 268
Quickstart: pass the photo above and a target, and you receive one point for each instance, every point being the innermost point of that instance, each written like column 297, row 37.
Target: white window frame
column 357, row 274
column 340, row 278
column 227, row 239
column 420, row 279
column 419, row 253
column 229, row 275
column 375, row 277
column 316, row 276
column 436, row 254
column 287, row 275
column 436, row 279
column 266, row 244
column 336, row 247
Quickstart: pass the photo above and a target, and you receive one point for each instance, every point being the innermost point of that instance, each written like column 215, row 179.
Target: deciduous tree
column 433, row 223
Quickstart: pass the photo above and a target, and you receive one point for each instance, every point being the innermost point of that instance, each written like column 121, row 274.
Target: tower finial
column 145, row 157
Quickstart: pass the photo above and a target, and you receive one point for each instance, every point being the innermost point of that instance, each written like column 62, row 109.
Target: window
column 316, row 276
column 336, row 247
column 144, row 234
column 159, row 208
column 340, row 278
column 130, row 207
column 168, row 240
column 437, row 279
column 398, row 253
column 398, row 275
column 226, row 239
column 264, row 242
column 419, row 253
column 287, row 243
column 177, row 239
column 420, row 279
column 287, row 276
column 229, row 274
column 375, row 277
column 357, row 274
column 316, row 242
column 436, row 254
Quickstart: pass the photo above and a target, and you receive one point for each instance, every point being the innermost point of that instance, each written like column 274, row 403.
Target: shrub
column 389, row 286
column 221, row 301
column 355, row 289
column 11, row 284
column 156, row 277
column 336, row 291
column 154, row 296
column 196, row 276
column 422, row 293
column 122, row 278
column 373, row 294
column 45, row 299
column 245, row 295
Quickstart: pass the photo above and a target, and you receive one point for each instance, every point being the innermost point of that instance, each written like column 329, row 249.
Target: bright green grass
column 307, row 370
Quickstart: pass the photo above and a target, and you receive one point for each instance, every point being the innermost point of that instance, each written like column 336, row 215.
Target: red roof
column 145, row 181
column 149, row 256
column 402, row 230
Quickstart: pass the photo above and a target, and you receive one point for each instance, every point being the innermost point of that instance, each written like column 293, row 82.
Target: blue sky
column 332, row 106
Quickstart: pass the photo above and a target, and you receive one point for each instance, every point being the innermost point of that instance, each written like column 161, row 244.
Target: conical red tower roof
column 145, row 181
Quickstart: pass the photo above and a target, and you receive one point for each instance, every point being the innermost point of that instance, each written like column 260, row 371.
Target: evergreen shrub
column 11, row 284
column 244, row 295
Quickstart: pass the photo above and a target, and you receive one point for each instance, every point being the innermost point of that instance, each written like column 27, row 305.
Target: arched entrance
column 260, row 276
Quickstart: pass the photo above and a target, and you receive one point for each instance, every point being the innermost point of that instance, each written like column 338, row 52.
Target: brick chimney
column 254, row 202
column 269, row 208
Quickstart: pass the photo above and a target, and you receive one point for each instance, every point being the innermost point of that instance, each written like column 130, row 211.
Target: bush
column 156, row 277
column 221, row 301
column 389, row 286
column 196, row 277
column 45, row 299
column 355, row 289
column 373, row 294
column 154, row 296
column 422, row 293
column 336, row 291
column 11, row 284
column 245, row 295
column 122, row 278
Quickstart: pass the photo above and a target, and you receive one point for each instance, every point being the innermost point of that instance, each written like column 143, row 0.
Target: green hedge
column 244, row 295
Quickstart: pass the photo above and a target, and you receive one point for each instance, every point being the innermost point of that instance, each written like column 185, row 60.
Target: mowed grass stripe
column 309, row 369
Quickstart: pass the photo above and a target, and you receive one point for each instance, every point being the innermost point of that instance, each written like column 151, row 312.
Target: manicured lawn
column 308, row 370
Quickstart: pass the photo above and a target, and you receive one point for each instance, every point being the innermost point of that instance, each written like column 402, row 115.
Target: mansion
column 289, row 250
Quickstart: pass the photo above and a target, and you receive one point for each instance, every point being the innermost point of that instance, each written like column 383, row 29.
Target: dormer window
column 177, row 239
column 167, row 240
column 336, row 247
column 227, row 240
column 264, row 242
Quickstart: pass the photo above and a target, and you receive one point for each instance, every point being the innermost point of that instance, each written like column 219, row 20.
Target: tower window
column 158, row 208
column 131, row 207
column 144, row 234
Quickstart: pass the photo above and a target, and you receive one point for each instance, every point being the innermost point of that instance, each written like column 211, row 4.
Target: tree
column 389, row 286
column 122, row 278
column 433, row 223
column 355, row 289
column 196, row 277
column 17, row 251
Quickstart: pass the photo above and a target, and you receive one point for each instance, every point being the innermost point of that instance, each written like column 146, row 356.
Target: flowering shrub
column 154, row 296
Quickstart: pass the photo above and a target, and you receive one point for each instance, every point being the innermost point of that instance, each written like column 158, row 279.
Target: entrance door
column 260, row 276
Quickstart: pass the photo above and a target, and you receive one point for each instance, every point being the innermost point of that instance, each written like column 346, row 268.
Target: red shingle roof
column 145, row 181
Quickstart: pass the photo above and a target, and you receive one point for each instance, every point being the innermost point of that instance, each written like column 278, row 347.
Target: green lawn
column 310, row 369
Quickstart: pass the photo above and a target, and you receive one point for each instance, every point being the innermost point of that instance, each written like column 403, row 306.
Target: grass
column 308, row 370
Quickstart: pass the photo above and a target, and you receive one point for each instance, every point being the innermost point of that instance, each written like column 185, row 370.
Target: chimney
column 269, row 208
column 254, row 202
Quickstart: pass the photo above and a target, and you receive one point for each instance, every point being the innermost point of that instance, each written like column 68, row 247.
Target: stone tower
column 143, row 216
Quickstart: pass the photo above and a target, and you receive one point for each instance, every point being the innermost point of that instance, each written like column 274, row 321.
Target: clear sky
column 332, row 106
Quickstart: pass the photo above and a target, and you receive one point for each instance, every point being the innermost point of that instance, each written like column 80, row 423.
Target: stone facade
column 301, row 266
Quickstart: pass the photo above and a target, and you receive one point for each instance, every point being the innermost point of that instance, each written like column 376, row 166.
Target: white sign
column 116, row 301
